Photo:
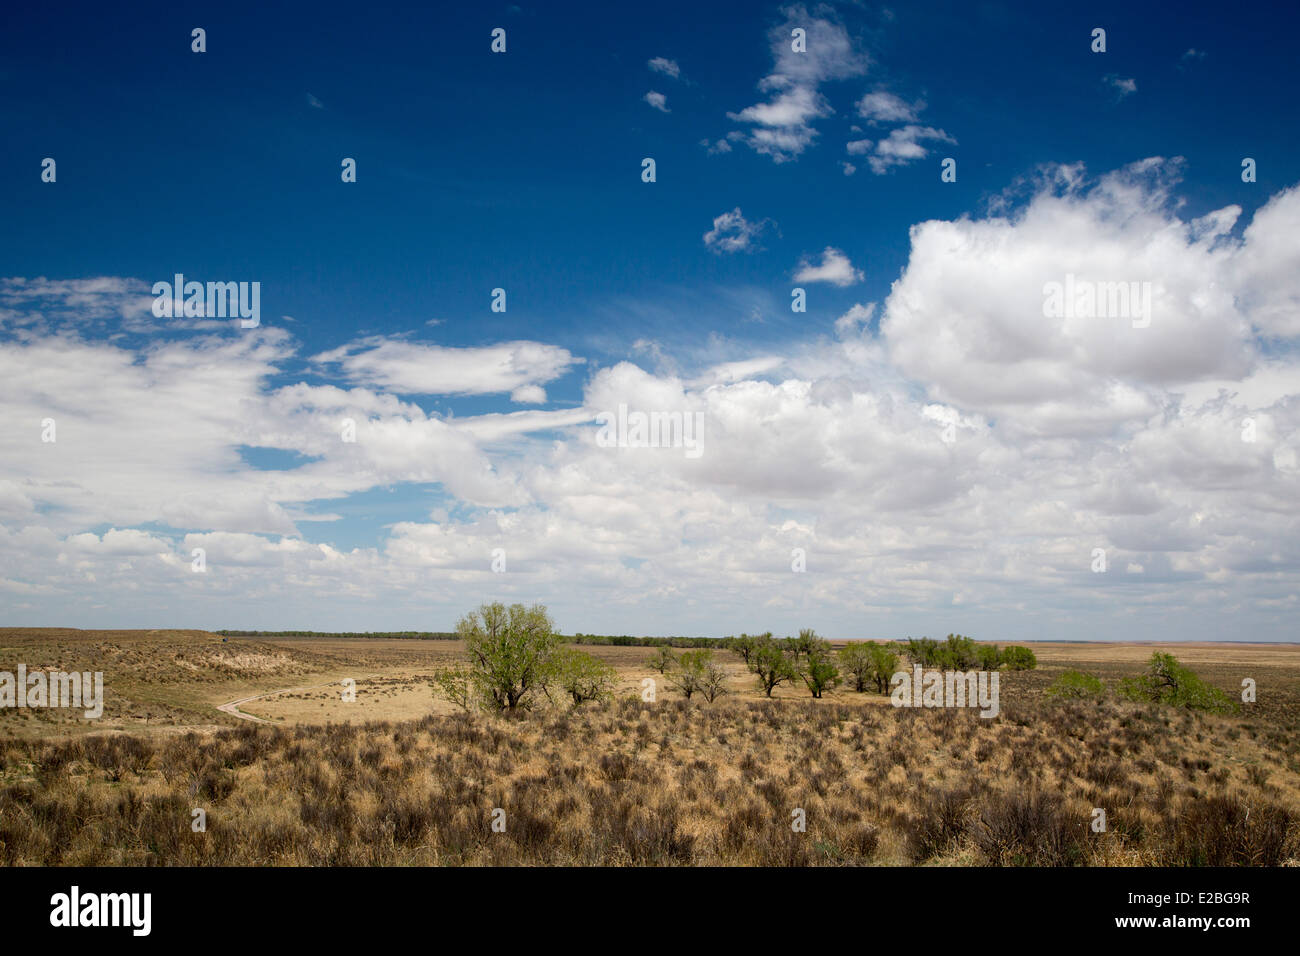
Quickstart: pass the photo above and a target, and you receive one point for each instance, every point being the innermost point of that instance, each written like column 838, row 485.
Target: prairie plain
column 297, row 773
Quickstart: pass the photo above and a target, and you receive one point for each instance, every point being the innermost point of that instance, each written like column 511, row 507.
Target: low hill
column 155, row 678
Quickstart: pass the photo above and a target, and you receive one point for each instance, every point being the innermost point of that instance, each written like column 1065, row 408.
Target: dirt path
column 232, row 707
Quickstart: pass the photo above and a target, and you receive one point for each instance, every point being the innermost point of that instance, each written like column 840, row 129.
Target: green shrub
column 1076, row 685
column 1017, row 658
column 1168, row 682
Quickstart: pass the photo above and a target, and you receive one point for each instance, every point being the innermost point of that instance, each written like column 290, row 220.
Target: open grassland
column 399, row 777
column 158, row 681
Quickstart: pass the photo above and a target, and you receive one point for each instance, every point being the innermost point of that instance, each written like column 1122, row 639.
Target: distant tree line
column 622, row 640
column 774, row 661
column 625, row 640
column 389, row 635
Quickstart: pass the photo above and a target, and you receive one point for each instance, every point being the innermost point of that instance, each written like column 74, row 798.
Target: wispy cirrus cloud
column 418, row 368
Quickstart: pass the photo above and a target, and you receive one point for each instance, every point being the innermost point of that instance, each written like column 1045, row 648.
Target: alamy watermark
column 53, row 689
column 213, row 300
column 75, row 908
column 946, row 689
column 657, row 429
column 1084, row 299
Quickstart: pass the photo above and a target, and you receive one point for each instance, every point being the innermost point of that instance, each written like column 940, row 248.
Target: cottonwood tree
column 884, row 662
column 745, row 645
column 582, row 676
column 815, row 666
column 714, row 682
column 771, row 665
column 511, row 652
column 664, row 659
column 456, row 684
column 867, row 663
column 855, row 659
column 923, row 651
column 688, row 675
column 803, row 646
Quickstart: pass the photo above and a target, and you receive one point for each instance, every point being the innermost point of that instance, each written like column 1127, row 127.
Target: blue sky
column 775, row 169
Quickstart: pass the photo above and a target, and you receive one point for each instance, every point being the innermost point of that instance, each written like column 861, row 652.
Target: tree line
column 389, row 635
column 810, row 660
column 625, row 640
column 516, row 657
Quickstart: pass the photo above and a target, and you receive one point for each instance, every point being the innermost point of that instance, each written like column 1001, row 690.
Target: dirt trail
column 232, row 707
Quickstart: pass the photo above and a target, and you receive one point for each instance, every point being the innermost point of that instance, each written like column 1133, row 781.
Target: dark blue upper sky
column 523, row 170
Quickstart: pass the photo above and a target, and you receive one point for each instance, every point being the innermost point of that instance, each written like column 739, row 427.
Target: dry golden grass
column 397, row 778
column 665, row 783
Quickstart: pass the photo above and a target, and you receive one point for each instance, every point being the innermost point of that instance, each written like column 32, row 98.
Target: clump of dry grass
column 633, row 783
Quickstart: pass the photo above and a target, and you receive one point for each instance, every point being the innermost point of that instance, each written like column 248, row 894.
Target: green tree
column 923, row 651
column 582, row 676
column 884, row 662
column 510, row 652
column 745, row 644
column 802, row 646
column 855, row 661
column 869, row 664
column 663, row 659
column 771, row 665
column 455, row 684
column 816, row 665
column 713, row 684
column 689, row 674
